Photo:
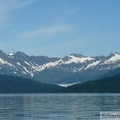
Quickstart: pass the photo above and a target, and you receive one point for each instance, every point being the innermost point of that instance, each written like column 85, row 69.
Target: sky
column 56, row 28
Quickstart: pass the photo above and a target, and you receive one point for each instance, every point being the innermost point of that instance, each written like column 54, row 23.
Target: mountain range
column 73, row 68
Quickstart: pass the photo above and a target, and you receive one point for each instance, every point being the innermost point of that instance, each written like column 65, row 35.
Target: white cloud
column 51, row 31
column 7, row 6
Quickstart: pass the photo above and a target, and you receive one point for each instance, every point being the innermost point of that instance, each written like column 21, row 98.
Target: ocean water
column 56, row 106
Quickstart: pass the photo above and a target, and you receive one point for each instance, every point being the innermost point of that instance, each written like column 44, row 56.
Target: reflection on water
column 56, row 106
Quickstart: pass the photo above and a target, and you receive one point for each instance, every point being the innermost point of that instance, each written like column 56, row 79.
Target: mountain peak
column 2, row 54
column 1, row 51
column 113, row 54
column 22, row 54
column 113, row 57
column 117, row 53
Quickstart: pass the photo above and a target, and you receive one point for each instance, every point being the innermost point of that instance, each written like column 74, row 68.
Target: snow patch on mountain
column 47, row 65
column 74, row 59
column 93, row 64
column 113, row 59
column 18, row 63
column 77, row 69
column 52, row 64
column 27, row 71
column 10, row 55
column 5, row 62
column 27, row 63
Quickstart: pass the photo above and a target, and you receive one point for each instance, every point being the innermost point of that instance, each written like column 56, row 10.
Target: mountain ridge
column 69, row 69
column 15, row 84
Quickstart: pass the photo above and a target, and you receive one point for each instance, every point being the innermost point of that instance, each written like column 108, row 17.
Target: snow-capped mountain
column 70, row 69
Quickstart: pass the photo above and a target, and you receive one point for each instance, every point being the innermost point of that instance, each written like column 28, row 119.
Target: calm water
column 56, row 106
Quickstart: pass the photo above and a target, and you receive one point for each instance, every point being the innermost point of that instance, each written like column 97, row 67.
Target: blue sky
column 56, row 28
